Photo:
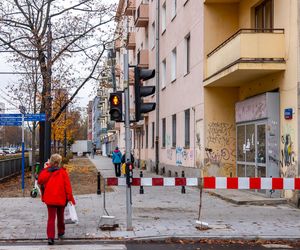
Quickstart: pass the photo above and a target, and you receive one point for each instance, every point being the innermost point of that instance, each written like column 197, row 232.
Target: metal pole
column 48, row 96
column 127, row 140
column 157, row 87
column 23, row 155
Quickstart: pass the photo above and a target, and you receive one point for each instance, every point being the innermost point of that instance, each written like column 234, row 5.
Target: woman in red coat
column 57, row 193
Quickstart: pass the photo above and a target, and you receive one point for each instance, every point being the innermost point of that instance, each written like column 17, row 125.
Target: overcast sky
column 83, row 97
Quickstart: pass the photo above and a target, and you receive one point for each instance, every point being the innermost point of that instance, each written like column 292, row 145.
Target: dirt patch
column 82, row 172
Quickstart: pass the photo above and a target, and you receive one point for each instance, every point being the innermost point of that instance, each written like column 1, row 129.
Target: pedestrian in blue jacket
column 116, row 159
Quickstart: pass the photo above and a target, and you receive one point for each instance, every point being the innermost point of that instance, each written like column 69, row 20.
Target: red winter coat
column 57, row 186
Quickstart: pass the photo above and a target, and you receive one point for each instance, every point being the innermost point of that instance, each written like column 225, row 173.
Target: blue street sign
column 11, row 119
column 10, row 115
column 35, row 117
column 18, row 117
column 10, row 123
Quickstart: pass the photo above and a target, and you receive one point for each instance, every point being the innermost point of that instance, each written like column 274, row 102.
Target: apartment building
column 228, row 86
column 179, row 115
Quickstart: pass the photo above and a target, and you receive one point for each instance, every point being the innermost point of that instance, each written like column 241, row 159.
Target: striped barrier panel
column 213, row 182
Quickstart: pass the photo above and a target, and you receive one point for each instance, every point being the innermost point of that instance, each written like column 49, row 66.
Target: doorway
column 251, row 149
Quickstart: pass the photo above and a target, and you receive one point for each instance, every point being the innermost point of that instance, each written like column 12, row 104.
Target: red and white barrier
column 214, row 182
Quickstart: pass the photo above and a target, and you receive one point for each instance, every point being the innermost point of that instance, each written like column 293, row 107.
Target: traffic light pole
column 127, row 140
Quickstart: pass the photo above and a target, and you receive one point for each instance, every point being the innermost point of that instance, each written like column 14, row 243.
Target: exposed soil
column 83, row 176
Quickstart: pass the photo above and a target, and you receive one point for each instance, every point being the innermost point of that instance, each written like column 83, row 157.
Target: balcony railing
column 130, row 8
column 142, row 15
column 248, row 47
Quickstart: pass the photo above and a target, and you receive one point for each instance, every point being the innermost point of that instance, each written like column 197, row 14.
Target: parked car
column 2, row 153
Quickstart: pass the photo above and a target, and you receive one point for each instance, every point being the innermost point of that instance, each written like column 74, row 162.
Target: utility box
column 82, row 146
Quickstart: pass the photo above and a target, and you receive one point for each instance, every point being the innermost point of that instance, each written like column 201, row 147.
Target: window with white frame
column 163, row 73
column 174, row 8
column 163, row 17
column 174, row 65
column 187, row 42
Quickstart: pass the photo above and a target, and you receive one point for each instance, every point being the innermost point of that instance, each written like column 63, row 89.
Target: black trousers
column 118, row 169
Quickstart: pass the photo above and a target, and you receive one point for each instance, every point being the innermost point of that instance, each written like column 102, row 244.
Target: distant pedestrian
column 94, row 151
column 116, row 159
column 57, row 192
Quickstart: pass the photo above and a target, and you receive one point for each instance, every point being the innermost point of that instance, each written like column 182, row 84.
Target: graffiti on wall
column 183, row 155
column 220, row 133
column 288, row 160
column 220, row 148
column 169, row 153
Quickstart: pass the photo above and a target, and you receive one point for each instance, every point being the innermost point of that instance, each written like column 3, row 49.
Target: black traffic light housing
column 141, row 91
column 129, row 173
column 116, row 104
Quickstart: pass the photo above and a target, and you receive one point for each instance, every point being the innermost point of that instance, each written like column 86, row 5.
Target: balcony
column 130, row 8
column 247, row 55
column 143, row 58
column 130, row 41
column 142, row 16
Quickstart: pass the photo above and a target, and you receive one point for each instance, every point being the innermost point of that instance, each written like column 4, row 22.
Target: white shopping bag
column 71, row 215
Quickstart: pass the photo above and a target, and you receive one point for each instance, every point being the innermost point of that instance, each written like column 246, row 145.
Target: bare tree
column 56, row 34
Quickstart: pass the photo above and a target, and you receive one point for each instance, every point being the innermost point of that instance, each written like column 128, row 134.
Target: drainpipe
column 298, row 81
column 157, row 87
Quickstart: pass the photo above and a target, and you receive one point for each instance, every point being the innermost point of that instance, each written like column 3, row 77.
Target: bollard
column 141, row 187
column 98, row 183
column 183, row 187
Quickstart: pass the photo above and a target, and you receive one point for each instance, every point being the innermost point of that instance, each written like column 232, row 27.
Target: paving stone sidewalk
column 160, row 212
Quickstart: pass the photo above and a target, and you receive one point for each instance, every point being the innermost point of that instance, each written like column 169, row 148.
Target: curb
column 163, row 238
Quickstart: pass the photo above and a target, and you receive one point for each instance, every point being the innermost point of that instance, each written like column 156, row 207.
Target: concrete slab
column 245, row 197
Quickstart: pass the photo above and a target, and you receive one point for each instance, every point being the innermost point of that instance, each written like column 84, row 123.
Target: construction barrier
column 213, row 182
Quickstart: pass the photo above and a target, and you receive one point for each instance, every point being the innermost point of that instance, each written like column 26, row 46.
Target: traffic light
column 129, row 173
column 115, row 100
column 141, row 91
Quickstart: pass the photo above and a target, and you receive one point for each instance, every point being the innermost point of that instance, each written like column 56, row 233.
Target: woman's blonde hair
column 55, row 160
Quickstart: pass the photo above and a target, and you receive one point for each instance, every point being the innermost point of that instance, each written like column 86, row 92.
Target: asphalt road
column 179, row 245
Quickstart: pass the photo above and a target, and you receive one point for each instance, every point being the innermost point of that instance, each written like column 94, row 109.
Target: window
column 174, row 8
column 164, row 132
column 163, row 18
column 163, row 74
column 187, row 42
column 147, row 133
column 264, row 15
column 153, row 131
column 174, row 131
column 174, row 65
column 187, row 128
column 153, row 34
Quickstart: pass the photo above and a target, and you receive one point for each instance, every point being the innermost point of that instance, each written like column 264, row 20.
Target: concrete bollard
column 182, row 187
column 141, row 187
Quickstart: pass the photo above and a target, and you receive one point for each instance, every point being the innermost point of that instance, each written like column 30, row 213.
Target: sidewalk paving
column 161, row 212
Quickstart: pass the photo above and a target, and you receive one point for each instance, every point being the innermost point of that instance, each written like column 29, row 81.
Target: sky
column 86, row 94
